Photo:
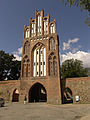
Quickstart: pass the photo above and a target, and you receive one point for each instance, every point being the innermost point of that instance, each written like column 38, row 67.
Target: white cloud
column 67, row 45
column 80, row 55
column 20, row 51
column 74, row 50
column 73, row 40
column 17, row 57
column 18, row 54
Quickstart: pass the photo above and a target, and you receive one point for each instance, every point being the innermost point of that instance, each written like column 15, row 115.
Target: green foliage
column 73, row 68
column 83, row 4
column 9, row 67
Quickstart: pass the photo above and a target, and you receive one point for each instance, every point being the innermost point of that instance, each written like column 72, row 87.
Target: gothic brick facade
column 40, row 60
column 40, row 69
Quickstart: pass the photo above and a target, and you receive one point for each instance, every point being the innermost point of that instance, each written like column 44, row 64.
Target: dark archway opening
column 37, row 93
column 15, row 97
column 68, row 97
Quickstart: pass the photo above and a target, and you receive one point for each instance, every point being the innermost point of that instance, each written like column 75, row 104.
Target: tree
column 88, row 71
column 73, row 68
column 9, row 67
column 83, row 4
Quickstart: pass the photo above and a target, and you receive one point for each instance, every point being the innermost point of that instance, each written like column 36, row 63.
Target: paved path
column 43, row 111
column 87, row 117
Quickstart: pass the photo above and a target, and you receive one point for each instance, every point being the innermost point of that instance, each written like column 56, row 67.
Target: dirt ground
column 44, row 111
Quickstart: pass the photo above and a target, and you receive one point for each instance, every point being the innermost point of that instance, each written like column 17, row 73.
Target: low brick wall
column 7, row 88
column 79, row 87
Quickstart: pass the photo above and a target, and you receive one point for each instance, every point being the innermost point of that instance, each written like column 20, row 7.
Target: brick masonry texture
column 7, row 88
column 50, row 82
column 79, row 87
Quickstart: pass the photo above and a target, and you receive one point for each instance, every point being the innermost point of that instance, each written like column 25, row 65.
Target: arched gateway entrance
column 37, row 93
column 15, row 97
column 68, row 96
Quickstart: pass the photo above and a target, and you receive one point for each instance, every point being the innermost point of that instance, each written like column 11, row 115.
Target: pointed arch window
column 45, row 26
column 26, row 48
column 55, row 65
column 26, row 67
column 52, row 28
column 27, row 33
column 52, row 65
column 52, row 45
column 39, row 21
column 33, row 28
column 39, row 60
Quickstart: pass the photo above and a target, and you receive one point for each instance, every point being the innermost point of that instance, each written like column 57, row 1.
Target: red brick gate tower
column 40, row 69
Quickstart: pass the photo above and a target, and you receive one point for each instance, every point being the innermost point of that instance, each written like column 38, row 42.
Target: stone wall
column 7, row 88
column 79, row 87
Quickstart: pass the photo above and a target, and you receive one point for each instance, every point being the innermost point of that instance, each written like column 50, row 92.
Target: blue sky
column 74, row 35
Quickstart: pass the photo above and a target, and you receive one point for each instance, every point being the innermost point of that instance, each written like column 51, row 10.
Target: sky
column 74, row 35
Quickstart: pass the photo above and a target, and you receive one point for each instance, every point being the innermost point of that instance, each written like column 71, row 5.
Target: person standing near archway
column 25, row 99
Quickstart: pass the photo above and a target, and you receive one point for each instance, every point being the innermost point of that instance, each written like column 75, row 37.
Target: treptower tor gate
column 40, row 69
